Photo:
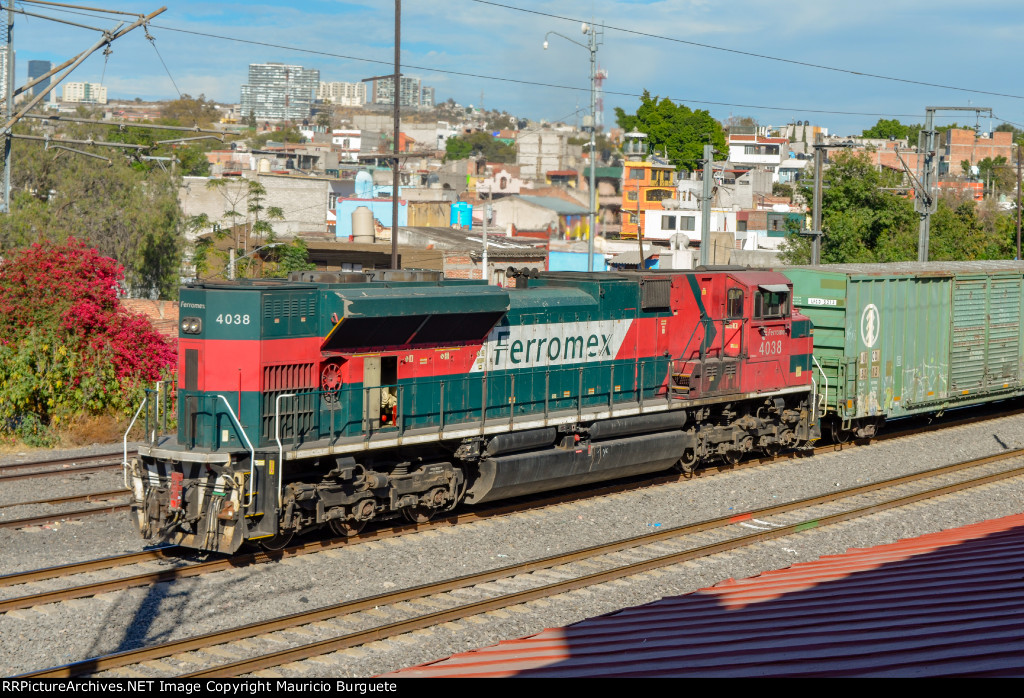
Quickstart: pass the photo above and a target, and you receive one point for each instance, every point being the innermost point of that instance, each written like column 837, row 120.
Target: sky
column 810, row 60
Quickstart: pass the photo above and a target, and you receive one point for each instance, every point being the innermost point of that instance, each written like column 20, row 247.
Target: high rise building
column 278, row 91
column 382, row 91
column 87, row 92
column 344, row 94
column 35, row 69
column 427, row 97
column 3, row 71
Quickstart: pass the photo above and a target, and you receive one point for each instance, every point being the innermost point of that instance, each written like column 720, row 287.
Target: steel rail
column 510, row 506
column 71, row 515
column 103, row 563
column 505, row 600
column 188, row 644
column 105, row 457
column 90, row 497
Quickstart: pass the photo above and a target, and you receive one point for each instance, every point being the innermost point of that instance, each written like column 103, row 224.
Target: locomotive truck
column 336, row 399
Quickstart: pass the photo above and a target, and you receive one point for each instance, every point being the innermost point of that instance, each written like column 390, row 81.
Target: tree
column 289, row 258
column 126, row 209
column 674, row 129
column 287, row 135
column 262, row 215
column 493, row 149
column 862, row 221
column 190, row 111
column 67, row 345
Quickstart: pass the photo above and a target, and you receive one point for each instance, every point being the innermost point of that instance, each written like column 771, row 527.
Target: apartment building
column 276, row 91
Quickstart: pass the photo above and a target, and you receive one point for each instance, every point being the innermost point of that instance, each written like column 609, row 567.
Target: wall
column 380, row 208
column 459, row 265
column 302, row 200
column 162, row 314
column 513, row 210
column 574, row 261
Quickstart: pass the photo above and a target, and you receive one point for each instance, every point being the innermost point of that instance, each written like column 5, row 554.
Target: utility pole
column 639, row 230
column 1018, row 200
column 705, row 206
column 486, row 213
column 816, row 204
column 593, row 153
column 394, row 162
column 819, row 157
column 925, row 200
column 8, row 105
column 591, row 46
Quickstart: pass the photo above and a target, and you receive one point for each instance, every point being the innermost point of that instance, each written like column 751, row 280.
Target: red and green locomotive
column 335, row 399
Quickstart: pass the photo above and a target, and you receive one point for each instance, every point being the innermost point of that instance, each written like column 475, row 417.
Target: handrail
column 124, row 460
column 252, row 451
column 814, row 397
column 280, row 446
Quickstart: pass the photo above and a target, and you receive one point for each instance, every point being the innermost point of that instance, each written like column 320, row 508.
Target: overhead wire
column 762, row 56
column 533, row 83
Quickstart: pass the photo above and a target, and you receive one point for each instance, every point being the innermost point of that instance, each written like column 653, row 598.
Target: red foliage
column 72, row 290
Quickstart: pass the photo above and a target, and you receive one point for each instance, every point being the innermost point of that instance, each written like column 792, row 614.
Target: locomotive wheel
column 346, row 527
column 771, row 450
column 278, row 542
column 418, row 515
column 688, row 463
column 732, row 457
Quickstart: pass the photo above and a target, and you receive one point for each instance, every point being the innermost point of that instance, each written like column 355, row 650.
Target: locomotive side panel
column 354, row 401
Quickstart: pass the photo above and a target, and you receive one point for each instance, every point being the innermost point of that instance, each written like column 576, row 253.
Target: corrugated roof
column 985, row 266
column 633, row 256
column 559, row 206
column 944, row 604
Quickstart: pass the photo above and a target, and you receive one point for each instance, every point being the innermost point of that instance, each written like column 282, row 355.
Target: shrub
column 67, row 346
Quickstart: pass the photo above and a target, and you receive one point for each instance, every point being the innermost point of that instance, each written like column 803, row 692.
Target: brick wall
column 961, row 144
column 163, row 314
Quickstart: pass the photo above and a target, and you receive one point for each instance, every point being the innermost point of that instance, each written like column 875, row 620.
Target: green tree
column 190, row 111
column 675, row 129
column 288, row 258
column 862, row 221
column 494, row 150
column 129, row 213
column 287, row 135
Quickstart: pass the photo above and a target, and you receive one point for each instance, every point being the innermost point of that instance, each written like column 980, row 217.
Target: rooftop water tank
column 362, row 225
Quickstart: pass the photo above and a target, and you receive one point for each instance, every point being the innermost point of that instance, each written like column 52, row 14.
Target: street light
column 591, row 46
column 232, row 259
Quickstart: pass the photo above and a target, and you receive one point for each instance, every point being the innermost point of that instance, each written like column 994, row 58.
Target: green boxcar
column 894, row 340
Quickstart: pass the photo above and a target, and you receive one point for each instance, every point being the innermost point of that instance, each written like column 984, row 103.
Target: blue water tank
column 462, row 215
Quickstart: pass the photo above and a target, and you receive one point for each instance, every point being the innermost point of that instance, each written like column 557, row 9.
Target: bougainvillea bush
column 67, row 346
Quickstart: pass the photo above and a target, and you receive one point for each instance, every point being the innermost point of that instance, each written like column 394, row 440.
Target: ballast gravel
column 60, row 633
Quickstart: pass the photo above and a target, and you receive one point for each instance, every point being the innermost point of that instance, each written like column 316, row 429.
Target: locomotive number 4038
column 229, row 319
column 770, row 346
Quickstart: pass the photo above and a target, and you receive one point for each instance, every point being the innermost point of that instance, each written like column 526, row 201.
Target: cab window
column 734, row 304
column 771, row 304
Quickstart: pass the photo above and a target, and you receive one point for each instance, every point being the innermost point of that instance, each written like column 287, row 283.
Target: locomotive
column 336, row 399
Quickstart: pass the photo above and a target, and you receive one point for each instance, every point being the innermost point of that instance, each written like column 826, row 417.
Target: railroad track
column 618, row 487
column 62, row 466
column 187, row 568
column 502, row 588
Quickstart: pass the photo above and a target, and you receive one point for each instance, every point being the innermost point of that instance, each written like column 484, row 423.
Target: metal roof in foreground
column 944, row 604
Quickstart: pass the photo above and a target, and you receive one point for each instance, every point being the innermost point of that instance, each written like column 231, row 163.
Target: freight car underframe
column 220, row 500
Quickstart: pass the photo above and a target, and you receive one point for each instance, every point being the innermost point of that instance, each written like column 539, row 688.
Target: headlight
column 191, row 325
